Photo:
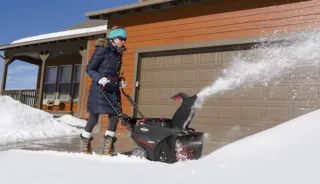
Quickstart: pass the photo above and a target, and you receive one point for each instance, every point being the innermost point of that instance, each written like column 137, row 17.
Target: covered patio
column 61, row 59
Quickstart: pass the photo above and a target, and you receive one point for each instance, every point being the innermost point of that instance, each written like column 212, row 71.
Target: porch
column 58, row 80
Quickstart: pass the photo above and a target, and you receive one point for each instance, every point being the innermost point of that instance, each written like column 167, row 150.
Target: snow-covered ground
column 71, row 120
column 288, row 153
column 21, row 123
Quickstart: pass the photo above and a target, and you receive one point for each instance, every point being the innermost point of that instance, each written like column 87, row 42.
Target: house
column 182, row 45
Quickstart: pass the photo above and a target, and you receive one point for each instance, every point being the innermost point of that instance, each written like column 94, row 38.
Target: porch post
column 6, row 63
column 44, row 57
column 39, row 75
column 84, row 54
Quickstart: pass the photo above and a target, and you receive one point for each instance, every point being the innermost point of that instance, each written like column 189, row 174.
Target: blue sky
column 21, row 18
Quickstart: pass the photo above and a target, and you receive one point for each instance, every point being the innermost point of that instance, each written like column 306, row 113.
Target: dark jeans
column 93, row 120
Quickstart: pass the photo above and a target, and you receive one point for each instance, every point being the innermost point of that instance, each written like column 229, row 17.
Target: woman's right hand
column 103, row 81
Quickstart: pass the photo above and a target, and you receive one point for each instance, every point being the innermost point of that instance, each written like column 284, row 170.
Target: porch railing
column 28, row 96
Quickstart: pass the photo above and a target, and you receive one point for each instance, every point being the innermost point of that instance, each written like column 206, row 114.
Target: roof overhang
column 33, row 42
column 142, row 7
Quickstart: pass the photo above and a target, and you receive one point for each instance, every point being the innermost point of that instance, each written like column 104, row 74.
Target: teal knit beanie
column 118, row 33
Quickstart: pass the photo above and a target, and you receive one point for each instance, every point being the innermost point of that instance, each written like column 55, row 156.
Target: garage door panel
column 168, row 77
column 225, row 57
column 169, row 62
column 209, row 58
column 149, row 93
column 304, row 72
column 228, row 95
column 188, row 75
column 246, row 131
column 304, row 92
column 150, row 77
column 188, row 60
column 301, row 110
column 252, row 93
column 150, row 62
column 277, row 92
column 208, row 112
column 232, row 114
column 167, row 111
column 166, row 93
column 251, row 112
column 227, row 112
column 276, row 113
column 187, row 90
column 148, row 110
column 208, row 75
column 225, row 133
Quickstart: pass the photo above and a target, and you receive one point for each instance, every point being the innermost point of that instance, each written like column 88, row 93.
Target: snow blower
column 160, row 139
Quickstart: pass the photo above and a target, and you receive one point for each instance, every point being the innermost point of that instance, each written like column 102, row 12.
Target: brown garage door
column 231, row 115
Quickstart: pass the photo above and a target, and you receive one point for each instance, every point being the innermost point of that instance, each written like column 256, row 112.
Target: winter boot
column 108, row 146
column 85, row 145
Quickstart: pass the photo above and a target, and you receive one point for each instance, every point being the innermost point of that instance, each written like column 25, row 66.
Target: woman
column 105, row 62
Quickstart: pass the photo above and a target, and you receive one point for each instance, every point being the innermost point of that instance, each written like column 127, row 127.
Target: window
column 59, row 79
column 76, row 82
column 64, row 83
column 50, row 82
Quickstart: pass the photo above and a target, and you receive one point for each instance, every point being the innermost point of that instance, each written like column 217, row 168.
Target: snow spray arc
column 264, row 62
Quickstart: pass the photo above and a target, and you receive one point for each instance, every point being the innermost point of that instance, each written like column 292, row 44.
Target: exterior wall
column 88, row 82
column 212, row 21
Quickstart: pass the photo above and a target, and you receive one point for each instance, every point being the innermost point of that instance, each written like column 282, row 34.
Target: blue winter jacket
column 106, row 61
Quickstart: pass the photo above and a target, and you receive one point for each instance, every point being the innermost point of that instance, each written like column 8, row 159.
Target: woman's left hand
column 123, row 84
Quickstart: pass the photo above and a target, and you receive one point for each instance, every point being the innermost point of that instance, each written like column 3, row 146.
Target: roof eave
column 8, row 46
column 142, row 7
column 126, row 7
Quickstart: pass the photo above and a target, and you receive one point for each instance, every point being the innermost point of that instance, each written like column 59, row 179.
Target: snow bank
column 20, row 123
column 63, row 33
column 71, row 120
column 287, row 153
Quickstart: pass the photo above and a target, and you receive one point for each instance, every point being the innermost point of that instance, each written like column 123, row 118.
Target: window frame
column 55, row 83
column 58, row 82
column 73, row 81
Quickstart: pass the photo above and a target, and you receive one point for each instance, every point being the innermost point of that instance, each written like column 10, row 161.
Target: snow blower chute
column 164, row 139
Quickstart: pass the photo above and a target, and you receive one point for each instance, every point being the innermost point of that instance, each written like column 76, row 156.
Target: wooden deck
column 27, row 96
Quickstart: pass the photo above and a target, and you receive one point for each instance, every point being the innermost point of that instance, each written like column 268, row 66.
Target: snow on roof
column 63, row 33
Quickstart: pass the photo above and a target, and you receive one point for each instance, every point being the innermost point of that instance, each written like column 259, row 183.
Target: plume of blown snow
column 264, row 62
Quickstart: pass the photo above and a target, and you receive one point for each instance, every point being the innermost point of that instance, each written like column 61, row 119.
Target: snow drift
column 20, row 123
column 287, row 153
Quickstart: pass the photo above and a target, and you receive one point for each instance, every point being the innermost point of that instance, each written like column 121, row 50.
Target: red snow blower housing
column 164, row 139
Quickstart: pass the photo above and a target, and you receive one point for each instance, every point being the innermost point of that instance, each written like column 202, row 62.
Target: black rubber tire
column 163, row 152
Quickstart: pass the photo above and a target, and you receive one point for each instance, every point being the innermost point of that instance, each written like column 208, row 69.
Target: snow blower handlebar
column 132, row 103
column 120, row 115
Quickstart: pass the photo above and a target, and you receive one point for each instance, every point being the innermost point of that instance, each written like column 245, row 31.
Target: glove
column 103, row 81
column 123, row 84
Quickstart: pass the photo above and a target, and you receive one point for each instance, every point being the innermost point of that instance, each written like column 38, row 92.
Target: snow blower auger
column 164, row 139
